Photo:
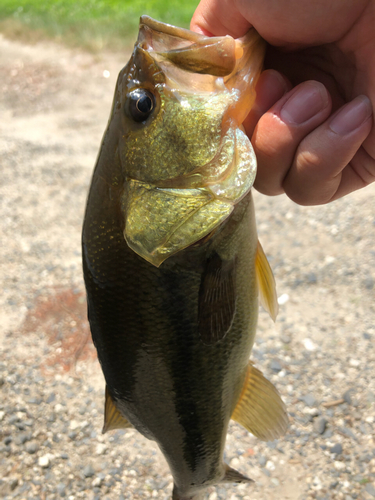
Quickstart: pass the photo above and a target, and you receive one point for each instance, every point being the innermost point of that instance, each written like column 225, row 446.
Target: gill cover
column 184, row 155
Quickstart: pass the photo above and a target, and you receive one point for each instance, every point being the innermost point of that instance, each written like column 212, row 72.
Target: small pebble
column 22, row 438
column 44, row 461
column 32, row 447
column 286, row 339
column 348, row 432
column 34, row 401
column 311, row 278
column 270, row 465
column 61, row 489
column 13, row 483
column 309, row 345
column 347, row 397
column 283, row 299
column 51, row 398
column 336, row 449
column 369, row 282
column 97, row 482
column 309, row 399
column 275, row 365
column 262, row 460
column 88, row 471
column 320, row 425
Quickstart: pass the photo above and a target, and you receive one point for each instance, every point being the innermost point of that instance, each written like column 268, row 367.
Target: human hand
column 311, row 126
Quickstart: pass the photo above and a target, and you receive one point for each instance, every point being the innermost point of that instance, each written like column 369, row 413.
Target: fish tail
column 230, row 476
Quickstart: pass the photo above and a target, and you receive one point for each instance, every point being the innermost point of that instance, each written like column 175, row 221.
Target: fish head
column 184, row 156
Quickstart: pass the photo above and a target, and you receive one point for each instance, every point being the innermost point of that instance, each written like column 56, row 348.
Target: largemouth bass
column 172, row 264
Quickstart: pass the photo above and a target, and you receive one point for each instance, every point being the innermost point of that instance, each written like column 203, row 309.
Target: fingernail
column 351, row 116
column 305, row 103
column 270, row 87
column 276, row 80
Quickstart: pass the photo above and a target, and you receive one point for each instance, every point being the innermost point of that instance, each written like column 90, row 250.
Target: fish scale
column 174, row 324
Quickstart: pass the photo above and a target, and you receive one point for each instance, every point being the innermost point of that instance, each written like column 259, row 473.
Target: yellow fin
column 266, row 283
column 260, row 408
column 112, row 417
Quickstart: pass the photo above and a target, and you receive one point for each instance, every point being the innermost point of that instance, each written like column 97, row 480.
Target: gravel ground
column 320, row 353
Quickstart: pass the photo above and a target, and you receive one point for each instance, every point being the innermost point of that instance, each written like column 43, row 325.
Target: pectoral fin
column 266, row 283
column 112, row 417
column 260, row 409
column 217, row 299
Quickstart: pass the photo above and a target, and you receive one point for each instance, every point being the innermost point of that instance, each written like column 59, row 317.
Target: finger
column 330, row 161
column 282, row 23
column 270, row 87
column 280, row 130
column 219, row 18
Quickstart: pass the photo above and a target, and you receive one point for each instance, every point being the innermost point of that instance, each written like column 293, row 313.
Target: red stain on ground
column 61, row 315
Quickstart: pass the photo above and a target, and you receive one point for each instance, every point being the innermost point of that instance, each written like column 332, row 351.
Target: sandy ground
column 54, row 105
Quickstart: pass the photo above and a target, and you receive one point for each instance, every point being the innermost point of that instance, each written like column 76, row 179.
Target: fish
column 173, row 268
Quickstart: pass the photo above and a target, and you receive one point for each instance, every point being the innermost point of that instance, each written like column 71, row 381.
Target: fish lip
column 188, row 50
column 168, row 29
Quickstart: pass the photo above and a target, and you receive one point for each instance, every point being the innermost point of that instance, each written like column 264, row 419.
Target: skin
column 312, row 124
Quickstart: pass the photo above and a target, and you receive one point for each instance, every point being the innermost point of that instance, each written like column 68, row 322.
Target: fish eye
column 141, row 104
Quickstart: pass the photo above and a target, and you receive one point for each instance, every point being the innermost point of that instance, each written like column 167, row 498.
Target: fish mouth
column 190, row 51
column 166, row 217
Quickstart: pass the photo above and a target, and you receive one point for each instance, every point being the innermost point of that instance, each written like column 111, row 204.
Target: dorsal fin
column 112, row 417
column 260, row 408
column 266, row 283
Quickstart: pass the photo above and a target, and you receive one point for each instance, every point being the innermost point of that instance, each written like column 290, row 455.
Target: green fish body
column 172, row 265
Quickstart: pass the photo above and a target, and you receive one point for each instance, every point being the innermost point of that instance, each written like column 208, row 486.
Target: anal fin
column 112, row 417
column 266, row 283
column 260, row 408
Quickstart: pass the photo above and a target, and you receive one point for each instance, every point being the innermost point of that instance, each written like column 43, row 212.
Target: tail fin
column 230, row 476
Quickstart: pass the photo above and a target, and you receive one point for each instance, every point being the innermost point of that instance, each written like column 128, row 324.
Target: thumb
column 219, row 18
